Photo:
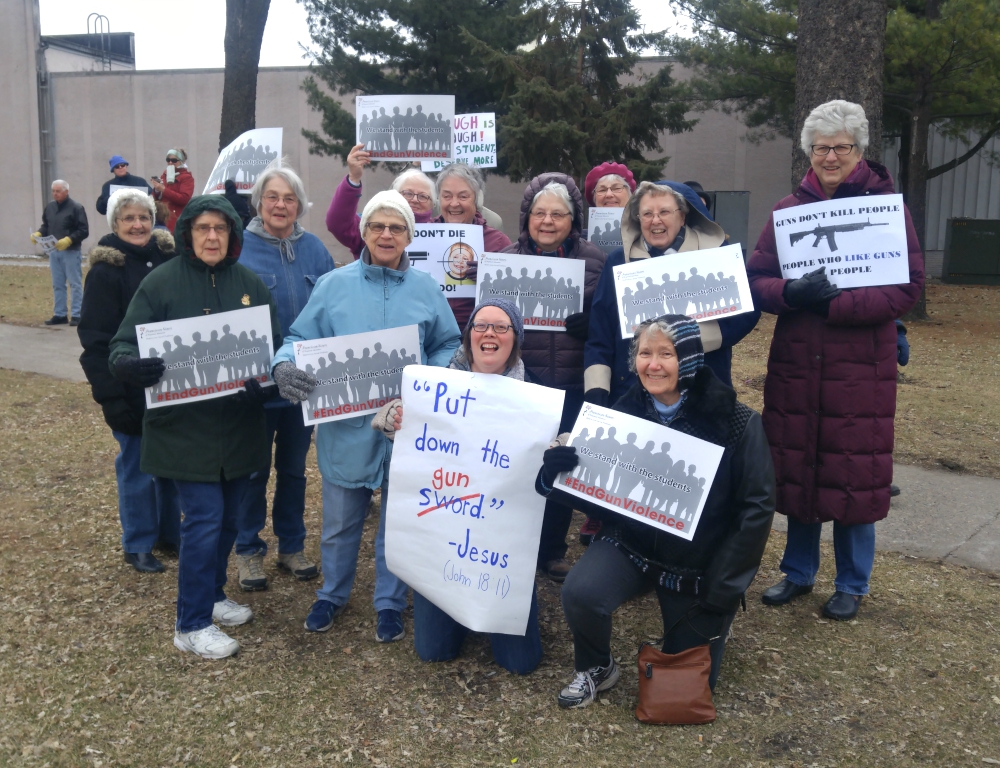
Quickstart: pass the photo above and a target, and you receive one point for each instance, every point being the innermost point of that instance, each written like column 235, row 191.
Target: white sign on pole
column 604, row 228
column 641, row 469
column 444, row 252
column 406, row 128
column 463, row 519
column 357, row 374
column 546, row 290
column 860, row 240
column 704, row 285
column 244, row 159
column 208, row 356
column 475, row 140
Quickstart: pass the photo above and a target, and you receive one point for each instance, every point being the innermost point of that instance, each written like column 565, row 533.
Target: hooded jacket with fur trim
column 208, row 440
column 116, row 270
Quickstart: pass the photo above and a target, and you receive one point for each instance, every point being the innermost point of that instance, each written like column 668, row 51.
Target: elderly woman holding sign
column 830, row 392
column 377, row 292
column 552, row 225
column 491, row 344
column 209, row 448
column 699, row 582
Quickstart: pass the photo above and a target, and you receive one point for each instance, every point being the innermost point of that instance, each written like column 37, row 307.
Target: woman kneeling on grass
column 709, row 574
column 491, row 343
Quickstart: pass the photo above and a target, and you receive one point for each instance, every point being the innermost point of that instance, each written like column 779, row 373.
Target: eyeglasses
column 130, row 220
column 556, row 217
column 822, row 150
column 173, row 160
column 648, row 215
column 204, row 229
column 463, row 197
column 288, row 200
column 499, row 328
column 377, row 228
column 120, row 165
column 420, row 197
column 616, row 189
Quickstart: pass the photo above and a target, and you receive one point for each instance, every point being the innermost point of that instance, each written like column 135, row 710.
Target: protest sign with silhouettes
column 244, row 159
column 406, row 128
column 545, row 290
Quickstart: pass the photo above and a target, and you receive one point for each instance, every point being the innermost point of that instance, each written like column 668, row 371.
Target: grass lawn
column 89, row 675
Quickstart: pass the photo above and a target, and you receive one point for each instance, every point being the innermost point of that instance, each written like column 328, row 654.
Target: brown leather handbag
column 673, row 688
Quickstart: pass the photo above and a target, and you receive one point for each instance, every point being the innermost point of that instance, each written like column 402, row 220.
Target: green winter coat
column 211, row 440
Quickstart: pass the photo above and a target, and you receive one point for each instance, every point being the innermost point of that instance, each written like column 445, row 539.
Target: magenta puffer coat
column 556, row 359
column 830, row 391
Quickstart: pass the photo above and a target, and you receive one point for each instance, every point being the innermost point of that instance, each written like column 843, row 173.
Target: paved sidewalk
column 940, row 515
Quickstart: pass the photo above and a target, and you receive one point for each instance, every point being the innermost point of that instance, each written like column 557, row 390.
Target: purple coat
column 830, row 391
column 343, row 223
column 556, row 359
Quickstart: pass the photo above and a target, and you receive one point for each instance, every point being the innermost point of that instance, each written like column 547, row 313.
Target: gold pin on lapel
column 245, row 300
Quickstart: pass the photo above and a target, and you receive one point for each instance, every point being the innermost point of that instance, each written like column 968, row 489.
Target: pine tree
column 577, row 97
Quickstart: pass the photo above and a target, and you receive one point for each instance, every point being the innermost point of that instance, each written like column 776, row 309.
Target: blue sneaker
column 321, row 615
column 390, row 626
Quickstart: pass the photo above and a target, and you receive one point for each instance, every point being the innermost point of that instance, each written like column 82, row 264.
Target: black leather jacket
column 729, row 542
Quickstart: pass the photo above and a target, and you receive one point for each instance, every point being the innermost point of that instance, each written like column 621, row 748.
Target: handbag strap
column 685, row 617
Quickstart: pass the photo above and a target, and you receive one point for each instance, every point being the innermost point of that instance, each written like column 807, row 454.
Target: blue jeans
column 208, row 531
column 343, row 520
column 438, row 637
column 147, row 505
column 291, row 444
column 66, row 266
column 853, row 548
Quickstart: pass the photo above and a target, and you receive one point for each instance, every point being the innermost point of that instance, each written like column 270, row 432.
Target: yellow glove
column 35, row 236
column 63, row 244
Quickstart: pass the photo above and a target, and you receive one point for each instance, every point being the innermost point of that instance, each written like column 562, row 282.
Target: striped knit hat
column 686, row 337
column 509, row 307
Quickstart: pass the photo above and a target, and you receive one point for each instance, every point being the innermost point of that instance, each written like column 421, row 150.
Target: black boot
column 842, row 606
column 784, row 592
column 144, row 562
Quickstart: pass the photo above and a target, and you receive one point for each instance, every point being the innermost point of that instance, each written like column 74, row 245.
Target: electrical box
column 972, row 252
column 731, row 211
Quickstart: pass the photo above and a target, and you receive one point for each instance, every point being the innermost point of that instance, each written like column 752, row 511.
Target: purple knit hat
column 507, row 306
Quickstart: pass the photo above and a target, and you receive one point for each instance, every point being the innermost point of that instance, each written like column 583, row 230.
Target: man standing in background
column 121, row 178
column 66, row 220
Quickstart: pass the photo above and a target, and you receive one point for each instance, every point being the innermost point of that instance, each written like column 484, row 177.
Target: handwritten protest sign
column 641, row 469
column 546, row 290
column 406, row 128
column 208, row 356
column 475, row 140
column 704, row 285
column 463, row 519
column 444, row 252
column 604, row 228
column 244, row 159
column 357, row 374
column 860, row 240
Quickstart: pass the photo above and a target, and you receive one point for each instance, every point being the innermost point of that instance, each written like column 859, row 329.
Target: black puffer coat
column 556, row 359
column 732, row 532
column 116, row 269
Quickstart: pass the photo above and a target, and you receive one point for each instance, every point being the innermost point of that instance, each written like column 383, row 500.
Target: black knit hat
column 686, row 337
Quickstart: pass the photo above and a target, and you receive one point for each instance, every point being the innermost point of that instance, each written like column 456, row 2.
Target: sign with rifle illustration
column 860, row 241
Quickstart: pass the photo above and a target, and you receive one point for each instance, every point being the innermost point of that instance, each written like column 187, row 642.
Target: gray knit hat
column 507, row 306
column 686, row 337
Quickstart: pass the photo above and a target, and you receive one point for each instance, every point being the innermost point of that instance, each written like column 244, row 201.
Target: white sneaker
column 229, row 613
column 209, row 643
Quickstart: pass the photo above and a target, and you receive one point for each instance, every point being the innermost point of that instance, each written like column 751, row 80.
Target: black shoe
column 894, row 490
column 74, row 321
column 144, row 562
column 842, row 606
column 57, row 320
column 784, row 592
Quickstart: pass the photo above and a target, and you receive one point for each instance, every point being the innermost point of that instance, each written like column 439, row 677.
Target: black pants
column 555, row 524
column 603, row 579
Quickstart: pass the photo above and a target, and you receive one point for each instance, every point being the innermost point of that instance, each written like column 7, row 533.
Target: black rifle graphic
column 829, row 233
column 417, row 255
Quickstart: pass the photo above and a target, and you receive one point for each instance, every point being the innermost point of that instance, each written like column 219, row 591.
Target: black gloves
column 562, row 458
column 578, row 325
column 293, row 385
column 253, row 393
column 139, row 373
column 810, row 289
column 597, row 396
column 118, row 415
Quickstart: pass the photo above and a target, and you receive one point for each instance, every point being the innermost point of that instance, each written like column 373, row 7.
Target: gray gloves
column 385, row 419
column 293, row 385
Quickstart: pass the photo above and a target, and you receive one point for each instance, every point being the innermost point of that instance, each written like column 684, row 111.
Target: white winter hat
column 391, row 201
